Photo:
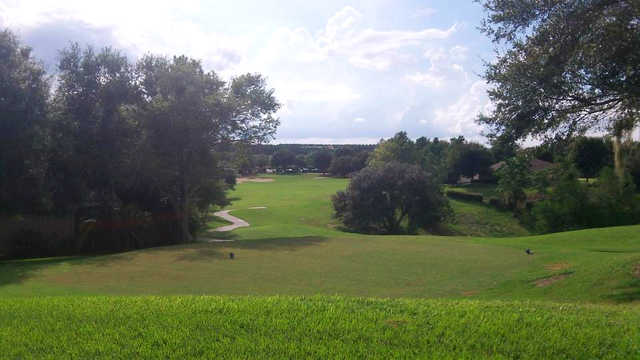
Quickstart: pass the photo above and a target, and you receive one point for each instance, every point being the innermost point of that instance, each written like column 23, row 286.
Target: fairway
column 293, row 247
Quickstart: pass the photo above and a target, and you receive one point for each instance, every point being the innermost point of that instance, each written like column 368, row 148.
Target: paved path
column 236, row 222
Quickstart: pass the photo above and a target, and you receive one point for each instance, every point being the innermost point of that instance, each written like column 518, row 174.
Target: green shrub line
column 467, row 196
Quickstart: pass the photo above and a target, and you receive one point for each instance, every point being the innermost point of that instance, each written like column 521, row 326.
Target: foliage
column 399, row 149
column 566, row 67
column 24, row 94
column 321, row 160
column 469, row 160
column 346, row 165
column 283, row 159
column 379, row 199
column 590, row 155
column 513, row 178
column 467, row 196
column 133, row 149
column 573, row 205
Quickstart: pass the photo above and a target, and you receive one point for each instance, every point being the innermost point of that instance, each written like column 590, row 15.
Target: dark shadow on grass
column 615, row 251
column 214, row 251
column 628, row 292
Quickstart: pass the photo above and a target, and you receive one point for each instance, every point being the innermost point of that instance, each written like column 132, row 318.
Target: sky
column 344, row 72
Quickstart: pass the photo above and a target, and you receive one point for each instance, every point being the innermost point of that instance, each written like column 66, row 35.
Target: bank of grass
column 313, row 327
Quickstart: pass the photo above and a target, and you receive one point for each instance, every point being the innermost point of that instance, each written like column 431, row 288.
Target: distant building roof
column 536, row 165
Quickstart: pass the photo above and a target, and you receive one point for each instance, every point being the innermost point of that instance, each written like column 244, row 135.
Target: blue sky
column 345, row 72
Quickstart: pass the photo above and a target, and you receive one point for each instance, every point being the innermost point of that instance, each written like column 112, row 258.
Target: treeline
column 129, row 151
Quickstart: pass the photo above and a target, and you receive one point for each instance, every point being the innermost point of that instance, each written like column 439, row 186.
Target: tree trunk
column 617, row 156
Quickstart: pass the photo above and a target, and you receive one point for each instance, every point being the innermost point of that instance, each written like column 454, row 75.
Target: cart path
column 235, row 222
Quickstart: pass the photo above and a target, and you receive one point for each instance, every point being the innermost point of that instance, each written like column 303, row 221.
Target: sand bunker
column 550, row 280
column 257, row 207
column 557, row 266
column 253, row 179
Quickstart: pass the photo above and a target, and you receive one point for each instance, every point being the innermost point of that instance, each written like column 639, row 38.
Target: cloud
column 359, row 120
column 459, row 117
column 369, row 48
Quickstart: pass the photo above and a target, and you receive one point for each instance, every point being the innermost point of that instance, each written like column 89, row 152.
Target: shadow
column 212, row 251
column 18, row 271
column 613, row 251
column 627, row 293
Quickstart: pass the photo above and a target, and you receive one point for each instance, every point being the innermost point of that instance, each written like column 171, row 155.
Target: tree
column 569, row 66
column 382, row 198
column 590, row 155
column 322, row 160
column 282, row 159
column 341, row 166
column 399, row 148
column 188, row 113
column 24, row 92
column 469, row 160
column 513, row 178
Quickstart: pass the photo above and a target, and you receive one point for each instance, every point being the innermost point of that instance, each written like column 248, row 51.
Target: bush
column 382, row 199
column 574, row 205
column 459, row 195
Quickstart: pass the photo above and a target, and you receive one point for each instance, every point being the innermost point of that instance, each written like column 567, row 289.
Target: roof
column 535, row 164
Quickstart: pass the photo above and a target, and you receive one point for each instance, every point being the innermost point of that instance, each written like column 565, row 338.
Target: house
column 535, row 164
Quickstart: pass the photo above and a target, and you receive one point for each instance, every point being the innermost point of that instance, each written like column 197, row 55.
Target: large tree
column 188, row 113
column 381, row 199
column 24, row 91
column 567, row 67
column 399, row 148
column 590, row 155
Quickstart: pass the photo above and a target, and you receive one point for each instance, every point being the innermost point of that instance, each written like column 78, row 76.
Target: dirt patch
column 469, row 293
column 395, row 323
column 544, row 282
column 636, row 271
column 253, row 179
column 557, row 266
column 320, row 178
column 257, row 208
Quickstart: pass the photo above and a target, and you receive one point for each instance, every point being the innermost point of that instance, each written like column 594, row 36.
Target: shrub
column 382, row 199
column 459, row 195
column 573, row 205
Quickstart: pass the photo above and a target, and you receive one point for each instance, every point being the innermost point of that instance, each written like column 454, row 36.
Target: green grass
column 398, row 296
column 479, row 219
column 316, row 327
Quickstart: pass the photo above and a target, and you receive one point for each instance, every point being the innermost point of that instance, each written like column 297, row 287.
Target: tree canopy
column 567, row 66
column 381, row 199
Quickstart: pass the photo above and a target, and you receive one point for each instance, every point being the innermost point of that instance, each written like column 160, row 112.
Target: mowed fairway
column 294, row 248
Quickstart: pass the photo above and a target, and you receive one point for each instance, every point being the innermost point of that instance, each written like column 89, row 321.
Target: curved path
column 235, row 222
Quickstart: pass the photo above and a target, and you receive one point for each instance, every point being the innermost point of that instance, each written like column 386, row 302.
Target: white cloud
column 359, row 120
column 428, row 79
column 459, row 117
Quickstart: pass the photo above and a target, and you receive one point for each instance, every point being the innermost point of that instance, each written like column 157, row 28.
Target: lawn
column 301, row 287
column 315, row 327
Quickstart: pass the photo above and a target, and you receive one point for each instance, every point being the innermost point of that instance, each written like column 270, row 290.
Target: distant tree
column 24, row 92
column 513, row 178
column 341, row 166
column 382, row 198
column 564, row 68
column 469, row 160
column 322, row 160
column 399, row 148
column 282, row 159
column 633, row 163
column 261, row 162
column 590, row 155
column 300, row 161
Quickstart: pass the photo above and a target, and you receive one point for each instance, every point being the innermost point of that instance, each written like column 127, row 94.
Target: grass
column 300, row 287
column 315, row 327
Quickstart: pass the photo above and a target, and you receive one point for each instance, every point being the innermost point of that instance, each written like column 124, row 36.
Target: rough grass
column 316, row 327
